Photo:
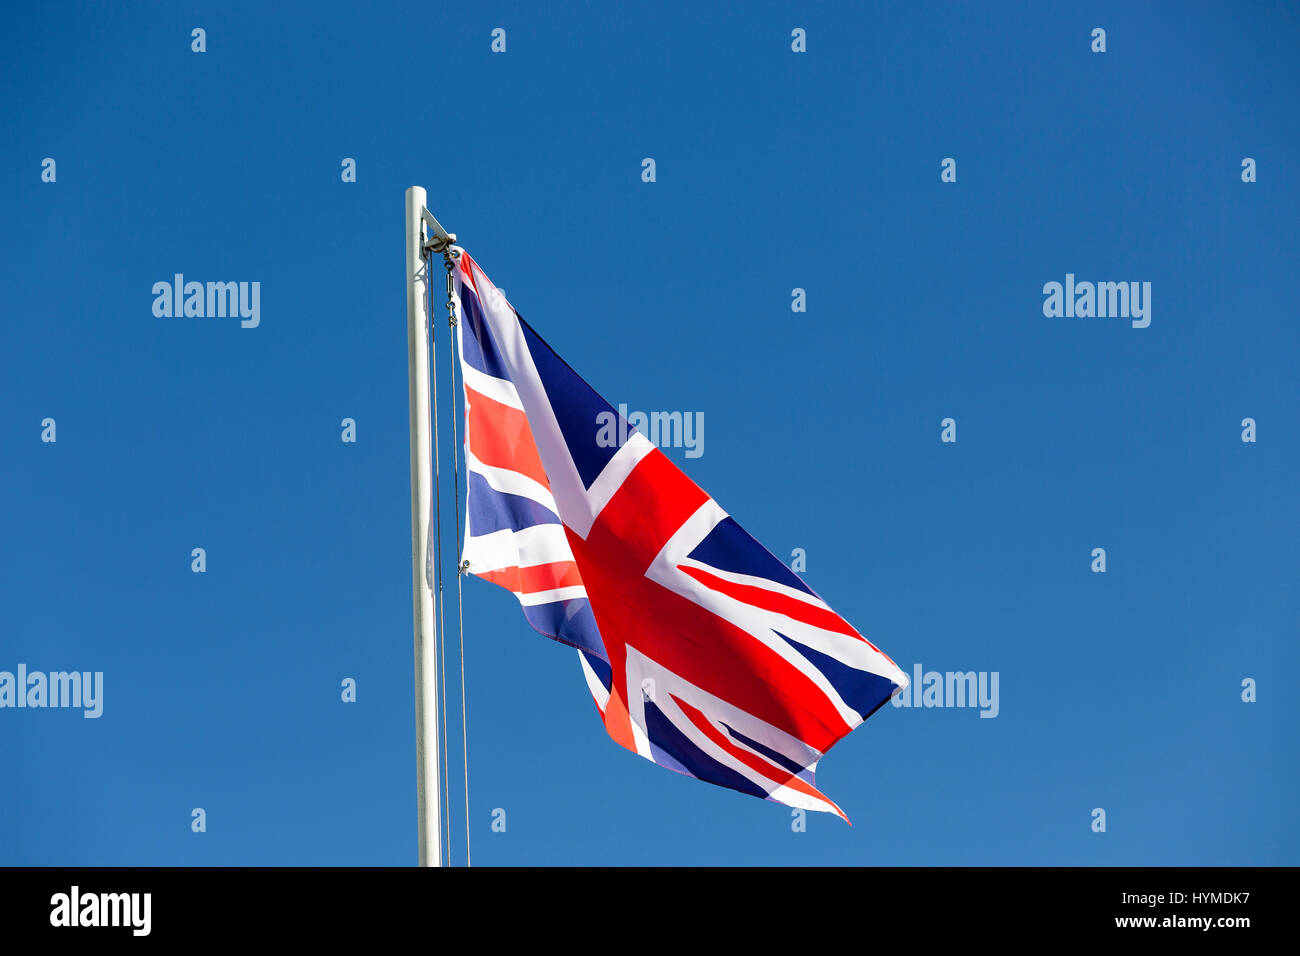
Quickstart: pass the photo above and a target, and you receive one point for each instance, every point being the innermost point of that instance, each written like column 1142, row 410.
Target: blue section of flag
column 479, row 347
column 695, row 761
column 575, row 405
column 729, row 547
column 569, row 622
column 861, row 690
column 491, row 510
column 775, row 756
column 600, row 667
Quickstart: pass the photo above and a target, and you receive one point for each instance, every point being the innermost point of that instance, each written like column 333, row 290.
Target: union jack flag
column 704, row 652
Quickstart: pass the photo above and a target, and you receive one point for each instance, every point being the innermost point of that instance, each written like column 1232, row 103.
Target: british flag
column 704, row 653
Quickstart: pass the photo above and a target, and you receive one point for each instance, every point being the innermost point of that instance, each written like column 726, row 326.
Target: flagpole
column 428, row 787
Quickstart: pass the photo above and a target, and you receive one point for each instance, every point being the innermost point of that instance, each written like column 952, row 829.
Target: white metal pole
column 428, row 787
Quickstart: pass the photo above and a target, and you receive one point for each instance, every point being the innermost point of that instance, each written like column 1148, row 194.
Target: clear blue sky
column 775, row 170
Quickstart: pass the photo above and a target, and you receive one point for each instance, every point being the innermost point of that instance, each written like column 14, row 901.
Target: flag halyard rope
column 444, row 787
column 449, row 255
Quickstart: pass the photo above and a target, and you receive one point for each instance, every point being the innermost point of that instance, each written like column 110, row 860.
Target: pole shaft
column 428, row 786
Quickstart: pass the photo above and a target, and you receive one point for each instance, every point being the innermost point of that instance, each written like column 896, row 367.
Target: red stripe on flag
column 751, row 760
column 537, row 577
column 649, row 507
column 618, row 722
column 499, row 436
column 772, row 601
column 467, row 268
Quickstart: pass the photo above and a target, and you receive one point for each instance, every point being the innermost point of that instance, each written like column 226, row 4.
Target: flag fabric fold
column 703, row 652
